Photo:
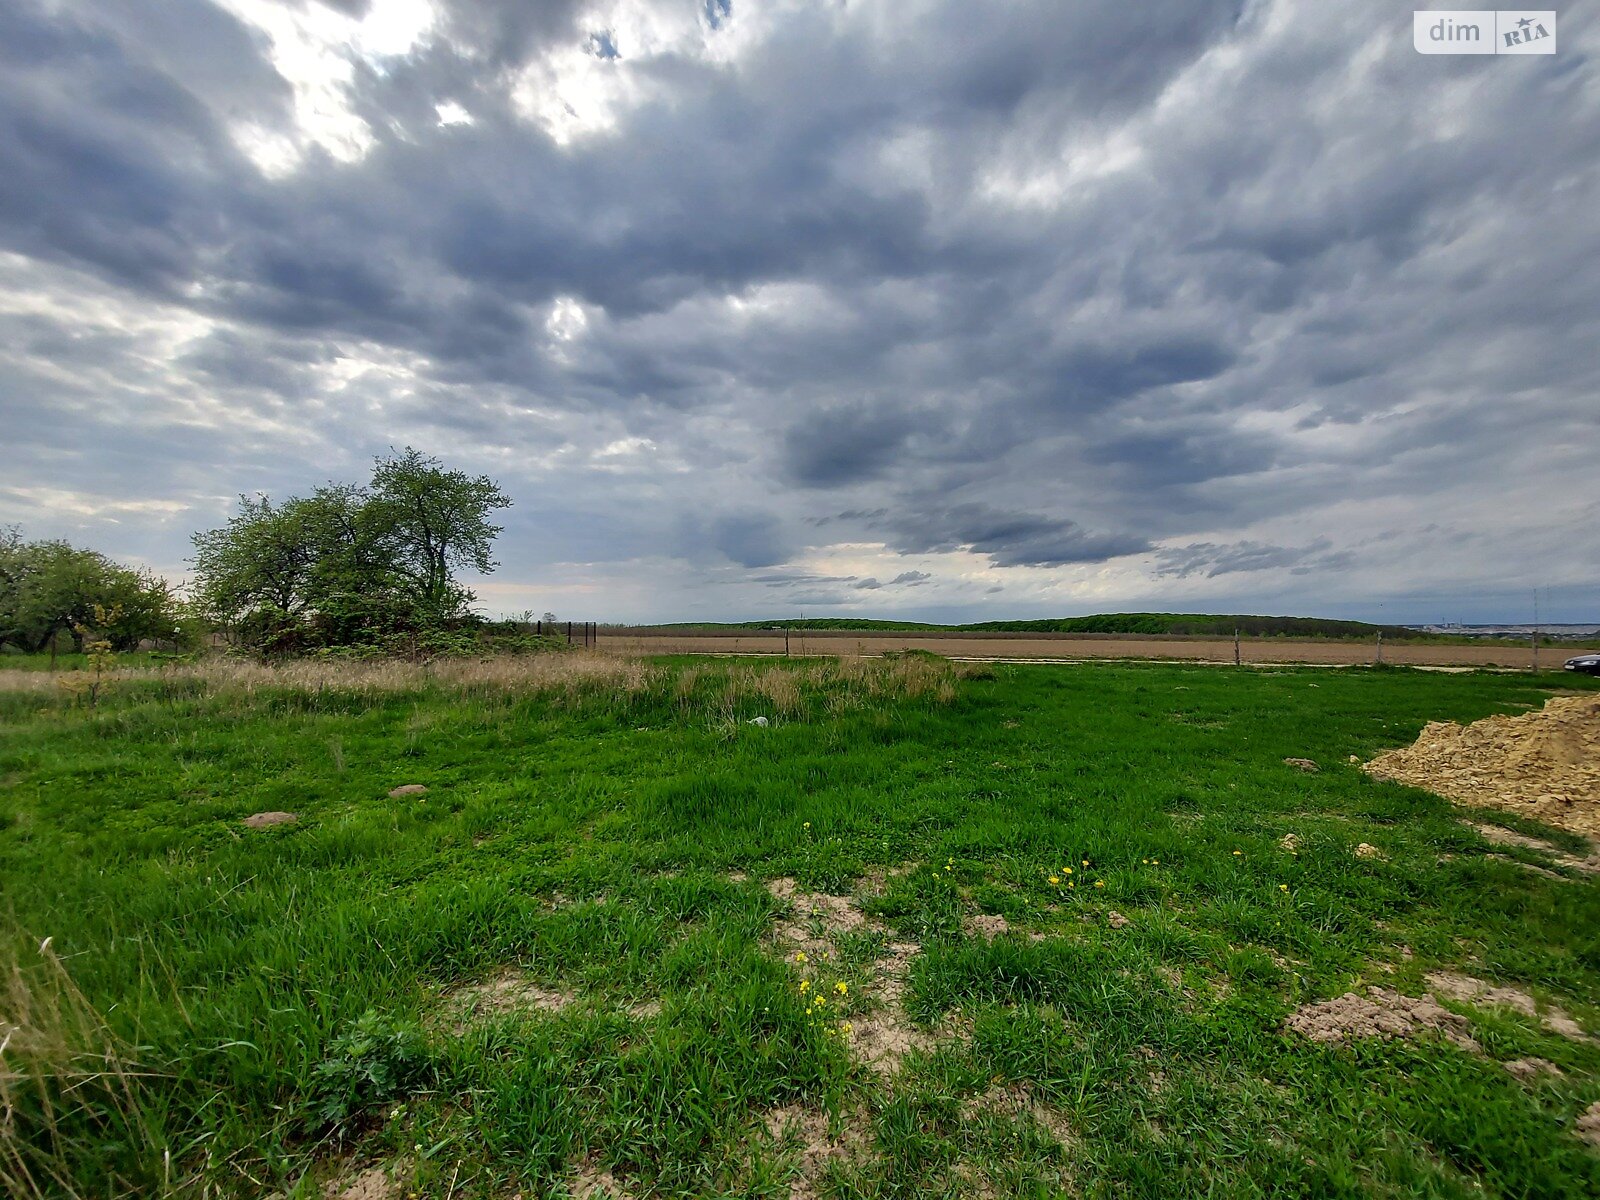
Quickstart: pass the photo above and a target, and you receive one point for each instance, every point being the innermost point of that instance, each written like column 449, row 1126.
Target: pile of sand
column 1543, row 764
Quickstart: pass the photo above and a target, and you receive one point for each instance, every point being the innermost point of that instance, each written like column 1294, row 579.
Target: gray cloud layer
column 756, row 306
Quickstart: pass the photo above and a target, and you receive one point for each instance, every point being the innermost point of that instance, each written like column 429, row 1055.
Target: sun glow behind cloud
column 315, row 49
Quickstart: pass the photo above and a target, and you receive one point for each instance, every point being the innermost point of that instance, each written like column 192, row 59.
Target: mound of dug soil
column 1382, row 1014
column 1543, row 764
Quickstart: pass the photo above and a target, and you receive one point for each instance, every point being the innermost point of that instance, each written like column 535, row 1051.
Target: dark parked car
column 1589, row 664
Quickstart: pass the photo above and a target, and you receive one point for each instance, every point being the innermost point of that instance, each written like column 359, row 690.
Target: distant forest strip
column 1144, row 624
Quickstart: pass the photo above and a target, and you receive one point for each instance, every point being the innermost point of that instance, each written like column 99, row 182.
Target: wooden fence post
column 1236, row 648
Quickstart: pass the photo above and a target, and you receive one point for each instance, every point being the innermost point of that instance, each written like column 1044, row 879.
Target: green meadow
column 588, row 957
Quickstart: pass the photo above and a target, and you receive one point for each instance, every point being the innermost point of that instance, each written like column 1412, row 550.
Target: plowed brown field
column 1072, row 647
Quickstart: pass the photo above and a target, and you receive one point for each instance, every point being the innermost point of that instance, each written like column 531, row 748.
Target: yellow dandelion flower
column 1145, row 861
column 1283, row 887
column 1054, row 880
column 1086, row 862
column 1070, row 884
column 805, row 985
column 799, row 956
column 1066, row 870
column 1156, row 861
column 841, row 987
column 805, row 825
column 1099, row 883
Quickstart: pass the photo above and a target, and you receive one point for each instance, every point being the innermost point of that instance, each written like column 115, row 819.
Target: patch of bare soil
column 1469, row 990
column 1381, row 1013
column 1531, row 1070
column 818, row 917
column 507, row 991
column 1501, row 836
column 1368, row 850
column 1543, row 764
column 591, row 1181
column 1014, row 1101
column 985, row 925
column 374, row 1183
column 804, row 1136
column 885, row 1035
column 408, row 789
column 1587, row 1126
column 265, row 820
column 1305, row 764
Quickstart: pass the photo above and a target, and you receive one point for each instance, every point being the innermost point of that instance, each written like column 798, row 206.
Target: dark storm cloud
column 751, row 540
column 845, row 444
column 1171, row 290
column 1008, row 538
column 1214, row 560
column 795, row 578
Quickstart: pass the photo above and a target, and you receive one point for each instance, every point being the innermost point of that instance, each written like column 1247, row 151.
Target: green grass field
column 563, row 968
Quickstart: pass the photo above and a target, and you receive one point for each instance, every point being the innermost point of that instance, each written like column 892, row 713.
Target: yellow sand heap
column 1543, row 764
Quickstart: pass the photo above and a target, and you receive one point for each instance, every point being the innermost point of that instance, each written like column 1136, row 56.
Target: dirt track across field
column 1075, row 647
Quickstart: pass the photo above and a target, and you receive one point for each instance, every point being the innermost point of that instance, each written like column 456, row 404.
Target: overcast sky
column 958, row 311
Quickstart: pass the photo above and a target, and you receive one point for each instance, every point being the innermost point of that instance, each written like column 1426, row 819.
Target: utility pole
column 1535, row 631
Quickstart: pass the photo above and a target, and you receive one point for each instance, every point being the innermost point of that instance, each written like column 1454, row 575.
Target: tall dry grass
column 70, row 1090
column 722, row 689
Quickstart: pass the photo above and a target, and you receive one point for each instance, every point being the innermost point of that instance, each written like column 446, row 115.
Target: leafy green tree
column 48, row 588
column 262, row 560
column 350, row 564
column 439, row 522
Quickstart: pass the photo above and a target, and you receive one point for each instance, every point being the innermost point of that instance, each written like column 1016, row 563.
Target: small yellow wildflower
column 1070, row 884
column 805, row 985
column 1156, row 861
column 841, row 987
column 805, row 825
column 1238, row 853
column 1283, row 887
column 1086, row 862
column 846, row 1026
column 1066, row 870
column 1145, row 861
column 799, row 956
column 1055, row 880
column 1099, row 883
